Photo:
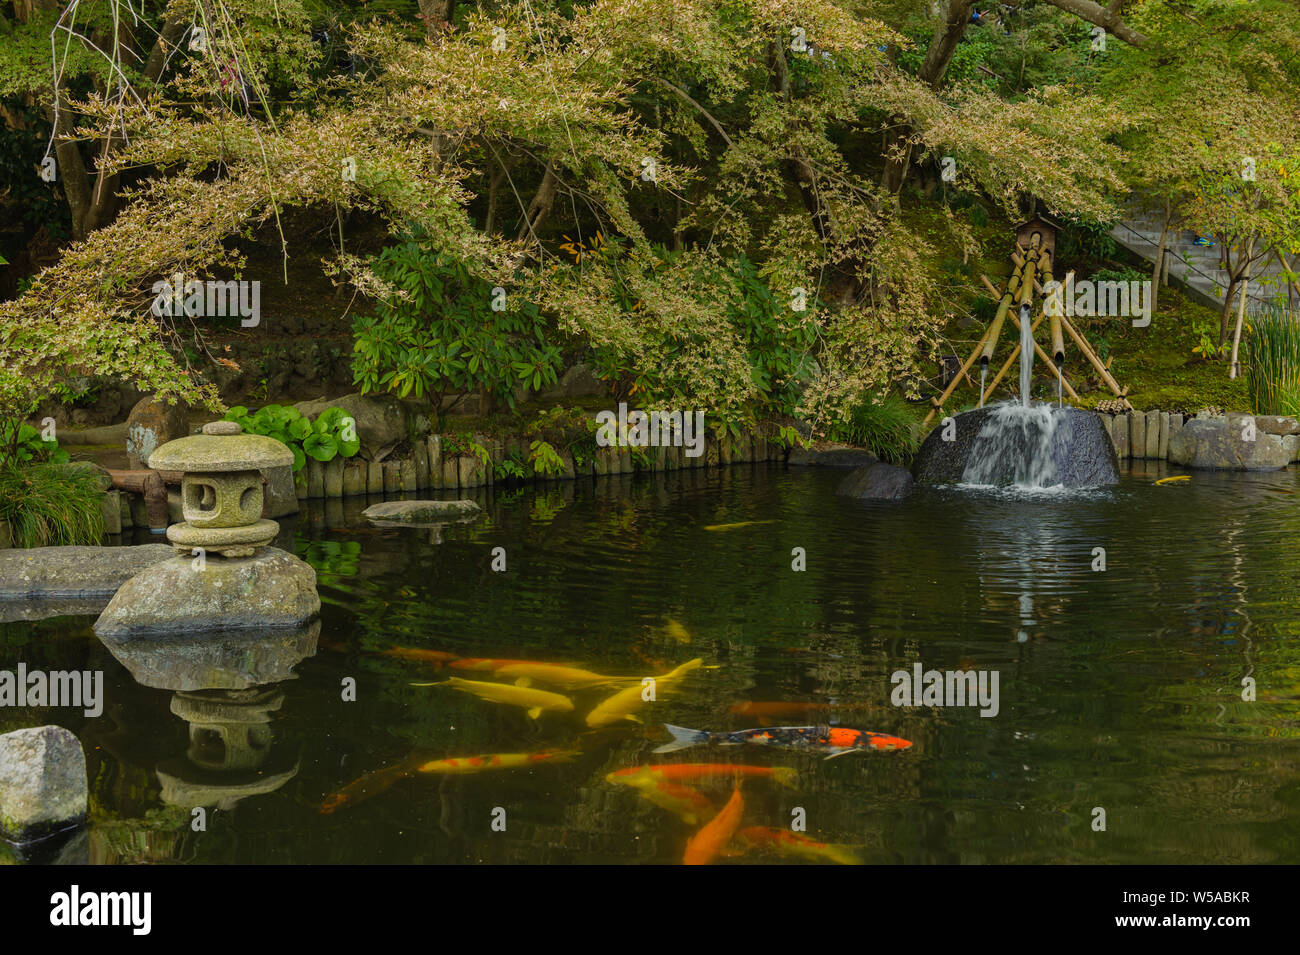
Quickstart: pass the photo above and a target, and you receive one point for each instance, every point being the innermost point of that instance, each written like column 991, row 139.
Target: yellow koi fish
column 795, row 844
column 476, row 764
column 676, row 631
column 536, row 702
column 621, row 704
column 736, row 526
column 1174, row 480
column 554, row 674
column 687, row 804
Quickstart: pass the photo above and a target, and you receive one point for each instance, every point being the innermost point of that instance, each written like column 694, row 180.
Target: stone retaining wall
column 1144, row 435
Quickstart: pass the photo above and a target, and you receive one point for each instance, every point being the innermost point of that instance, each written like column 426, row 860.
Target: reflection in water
column 1125, row 691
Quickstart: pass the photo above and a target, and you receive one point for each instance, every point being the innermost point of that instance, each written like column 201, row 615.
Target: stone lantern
column 221, row 490
column 250, row 585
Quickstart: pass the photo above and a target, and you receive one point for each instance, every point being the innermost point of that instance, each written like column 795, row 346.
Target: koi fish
column 833, row 740
column 680, row 772
column 555, row 674
column 676, row 631
column 736, row 526
column 536, row 702
column 485, row 663
column 795, row 844
column 687, row 804
column 621, row 704
column 1174, row 480
column 705, row 845
column 371, row 784
column 436, row 657
column 476, row 764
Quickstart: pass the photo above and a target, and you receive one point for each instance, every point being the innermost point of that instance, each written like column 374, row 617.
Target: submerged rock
column 42, row 783
column 271, row 589
column 877, row 481
column 421, row 512
column 1006, row 444
column 1221, row 444
column 73, row 571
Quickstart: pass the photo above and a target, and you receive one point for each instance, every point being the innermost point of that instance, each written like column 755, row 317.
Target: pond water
column 1119, row 689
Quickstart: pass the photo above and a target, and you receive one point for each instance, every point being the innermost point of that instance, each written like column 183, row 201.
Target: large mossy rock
column 151, row 424
column 877, row 481
column 42, row 783
column 270, row 590
column 381, row 420
column 1229, row 444
column 1078, row 452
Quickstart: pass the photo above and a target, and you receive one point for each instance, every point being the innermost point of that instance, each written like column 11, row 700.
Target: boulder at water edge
column 1229, row 444
column 42, row 783
column 877, row 481
column 1061, row 446
column 271, row 589
column 421, row 512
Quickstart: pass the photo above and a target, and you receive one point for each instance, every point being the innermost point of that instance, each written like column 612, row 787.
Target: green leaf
column 322, row 447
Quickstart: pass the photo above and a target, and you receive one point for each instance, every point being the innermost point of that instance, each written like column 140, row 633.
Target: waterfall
column 1026, row 355
column 1014, row 447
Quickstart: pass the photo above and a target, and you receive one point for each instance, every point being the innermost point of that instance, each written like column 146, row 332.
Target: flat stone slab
column 1222, row 444
column 877, row 481
column 421, row 512
column 271, row 590
column 42, row 783
column 841, row 456
column 73, row 571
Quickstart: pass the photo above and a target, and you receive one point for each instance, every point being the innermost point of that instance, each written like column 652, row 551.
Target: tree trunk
column 942, row 47
column 1106, row 17
column 540, row 207
column 436, row 14
column 1157, row 271
column 1235, row 368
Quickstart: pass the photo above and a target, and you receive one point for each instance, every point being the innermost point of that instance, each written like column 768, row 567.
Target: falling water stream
column 1026, row 355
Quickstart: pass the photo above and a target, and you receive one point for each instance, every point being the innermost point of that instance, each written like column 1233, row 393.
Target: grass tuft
column 49, row 505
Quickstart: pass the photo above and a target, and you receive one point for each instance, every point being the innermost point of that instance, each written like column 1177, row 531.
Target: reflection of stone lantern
column 221, row 490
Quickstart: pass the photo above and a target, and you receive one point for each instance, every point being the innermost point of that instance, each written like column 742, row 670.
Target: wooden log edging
column 430, row 467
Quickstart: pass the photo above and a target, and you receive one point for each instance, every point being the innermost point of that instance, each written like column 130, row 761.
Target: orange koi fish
column 681, row 772
column 705, row 845
column 795, row 844
column 476, row 764
column 371, row 784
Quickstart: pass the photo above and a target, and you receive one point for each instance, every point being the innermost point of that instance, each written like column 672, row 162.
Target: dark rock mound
column 1076, row 452
column 877, row 481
